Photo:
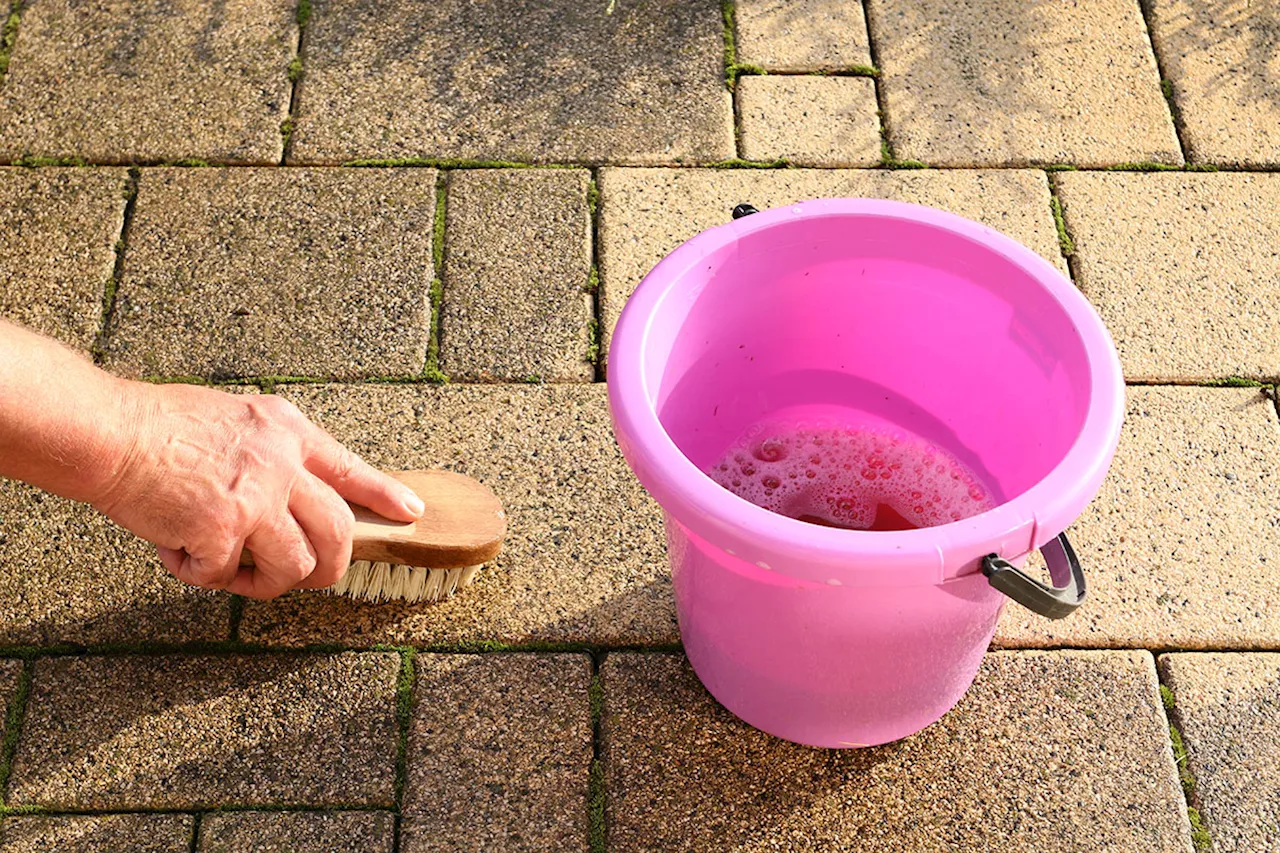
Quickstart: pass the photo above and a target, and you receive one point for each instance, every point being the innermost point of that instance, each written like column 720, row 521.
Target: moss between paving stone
column 584, row 558
column 135, row 833
column 499, row 754
column 282, row 831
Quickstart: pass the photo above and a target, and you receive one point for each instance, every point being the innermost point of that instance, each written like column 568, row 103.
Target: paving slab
column 524, row 80
column 584, row 558
column 194, row 732
column 137, row 833
column 1220, row 56
column 1012, row 83
column 810, row 121
column 516, row 272
column 801, row 35
column 499, row 754
column 1180, row 547
column 256, row 272
column 1063, row 751
column 59, row 232
column 298, row 832
column 1227, row 708
column 646, row 213
column 119, row 82
column 69, row 575
column 1183, row 268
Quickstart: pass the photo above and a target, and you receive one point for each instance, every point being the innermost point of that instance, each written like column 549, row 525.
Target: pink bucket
column 903, row 316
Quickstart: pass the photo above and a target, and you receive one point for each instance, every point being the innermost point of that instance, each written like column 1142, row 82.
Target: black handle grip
column 1055, row 601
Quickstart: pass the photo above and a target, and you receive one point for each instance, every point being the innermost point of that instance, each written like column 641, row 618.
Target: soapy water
column 857, row 478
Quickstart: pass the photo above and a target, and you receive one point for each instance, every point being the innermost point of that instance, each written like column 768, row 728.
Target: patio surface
column 347, row 201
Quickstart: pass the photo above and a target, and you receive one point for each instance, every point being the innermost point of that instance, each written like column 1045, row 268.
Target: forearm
column 65, row 426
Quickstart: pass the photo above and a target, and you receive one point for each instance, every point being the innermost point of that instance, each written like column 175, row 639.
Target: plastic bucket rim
column 1011, row 529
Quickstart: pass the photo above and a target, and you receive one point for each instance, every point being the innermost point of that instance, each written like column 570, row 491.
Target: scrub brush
column 461, row 528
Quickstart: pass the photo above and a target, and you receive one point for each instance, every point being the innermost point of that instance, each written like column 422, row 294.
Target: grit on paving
column 420, row 223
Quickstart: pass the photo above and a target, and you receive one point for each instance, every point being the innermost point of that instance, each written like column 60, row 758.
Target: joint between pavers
column 431, row 371
column 9, row 37
column 15, row 714
column 1200, row 837
column 1166, row 82
column 404, row 717
column 597, row 792
column 195, row 833
column 594, row 354
column 112, row 284
column 730, row 43
column 294, row 73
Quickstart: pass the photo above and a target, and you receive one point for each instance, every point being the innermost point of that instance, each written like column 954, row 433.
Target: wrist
column 129, row 409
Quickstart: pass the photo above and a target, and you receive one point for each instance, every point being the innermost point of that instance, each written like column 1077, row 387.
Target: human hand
column 206, row 474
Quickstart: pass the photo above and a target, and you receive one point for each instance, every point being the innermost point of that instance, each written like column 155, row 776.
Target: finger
column 282, row 558
column 327, row 522
column 214, row 570
column 359, row 482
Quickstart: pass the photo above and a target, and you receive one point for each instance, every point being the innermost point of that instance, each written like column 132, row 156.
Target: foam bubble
column 870, row 479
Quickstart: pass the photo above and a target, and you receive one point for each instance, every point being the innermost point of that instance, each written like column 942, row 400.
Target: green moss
column 739, row 163
column 1060, row 167
column 1234, row 382
column 1065, row 243
column 745, row 69
column 853, row 71
column 447, row 163
column 1166, row 697
column 294, row 72
column 189, row 163
column 404, row 715
column 14, row 715
column 303, row 13
column 1201, row 167
column 593, row 280
column 1143, row 167
column 33, row 161
column 593, row 198
column 18, row 811
column 431, row 371
column 894, row 163
column 1180, row 759
column 286, row 130
column 730, row 45
column 1199, row 832
column 9, row 38
column 596, row 793
column 593, row 347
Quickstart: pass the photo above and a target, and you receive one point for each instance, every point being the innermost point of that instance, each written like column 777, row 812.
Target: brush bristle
column 388, row 582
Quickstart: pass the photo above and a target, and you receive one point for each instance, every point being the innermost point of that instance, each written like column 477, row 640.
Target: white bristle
column 387, row 582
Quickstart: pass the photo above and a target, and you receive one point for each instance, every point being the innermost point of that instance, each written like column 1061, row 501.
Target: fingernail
column 413, row 503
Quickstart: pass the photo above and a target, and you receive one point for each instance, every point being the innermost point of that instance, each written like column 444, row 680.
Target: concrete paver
column 1063, row 751
column 181, row 732
column 10, row 675
column 258, row 272
column 1180, row 544
column 1227, row 706
column 810, row 121
column 801, row 35
column 1183, row 268
column 69, row 575
column 1012, row 83
column 119, row 81
column 516, row 271
column 499, row 754
column 59, row 231
column 297, row 832
column 522, row 80
column 1222, row 60
column 137, row 833
column 583, row 560
column 646, row 213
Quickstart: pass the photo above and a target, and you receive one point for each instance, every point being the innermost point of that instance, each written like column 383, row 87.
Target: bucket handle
column 1055, row 601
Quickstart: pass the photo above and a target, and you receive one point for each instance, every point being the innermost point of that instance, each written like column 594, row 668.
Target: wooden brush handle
column 463, row 525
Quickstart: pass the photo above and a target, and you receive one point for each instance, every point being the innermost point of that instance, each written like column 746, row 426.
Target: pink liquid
column 857, row 478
